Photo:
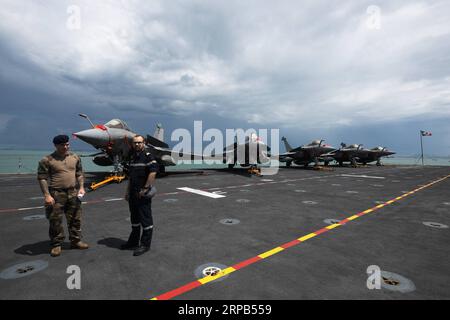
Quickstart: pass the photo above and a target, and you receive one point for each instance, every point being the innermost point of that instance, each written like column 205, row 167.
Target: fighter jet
column 306, row 154
column 114, row 138
column 375, row 154
column 248, row 154
column 346, row 153
column 355, row 153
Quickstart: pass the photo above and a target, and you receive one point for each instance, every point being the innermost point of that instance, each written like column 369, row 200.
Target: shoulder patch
column 147, row 153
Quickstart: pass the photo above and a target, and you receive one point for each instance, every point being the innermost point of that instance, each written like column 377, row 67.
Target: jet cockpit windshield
column 117, row 124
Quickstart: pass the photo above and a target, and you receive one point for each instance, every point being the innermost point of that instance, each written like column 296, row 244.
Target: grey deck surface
column 188, row 234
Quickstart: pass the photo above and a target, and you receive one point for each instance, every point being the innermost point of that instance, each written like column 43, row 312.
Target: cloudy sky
column 355, row 71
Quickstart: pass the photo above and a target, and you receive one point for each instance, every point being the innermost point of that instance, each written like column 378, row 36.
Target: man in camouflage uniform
column 58, row 174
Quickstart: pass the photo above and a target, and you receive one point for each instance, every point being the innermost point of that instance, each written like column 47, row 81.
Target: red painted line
column 290, row 244
column 360, row 214
column 321, row 231
column 8, row 210
column 246, row 263
column 181, row 290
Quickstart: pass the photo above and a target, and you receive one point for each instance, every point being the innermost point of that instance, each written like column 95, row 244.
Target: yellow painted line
column 222, row 273
column 308, row 236
column 333, row 226
column 353, row 217
column 380, row 205
column 367, row 211
column 270, row 252
column 390, row 201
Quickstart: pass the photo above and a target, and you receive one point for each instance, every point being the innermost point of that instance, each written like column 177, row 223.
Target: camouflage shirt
column 61, row 172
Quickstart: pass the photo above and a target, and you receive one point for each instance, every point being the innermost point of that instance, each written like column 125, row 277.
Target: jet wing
column 156, row 143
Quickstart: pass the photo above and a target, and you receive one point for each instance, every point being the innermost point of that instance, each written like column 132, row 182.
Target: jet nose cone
column 95, row 137
column 389, row 153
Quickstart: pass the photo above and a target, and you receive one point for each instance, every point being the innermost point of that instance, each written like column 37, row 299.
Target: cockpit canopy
column 117, row 124
column 315, row 143
column 353, row 146
column 378, row 148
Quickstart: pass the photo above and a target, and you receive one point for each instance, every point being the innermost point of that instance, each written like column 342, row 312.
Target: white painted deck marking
column 202, row 193
column 31, row 208
column 361, row 176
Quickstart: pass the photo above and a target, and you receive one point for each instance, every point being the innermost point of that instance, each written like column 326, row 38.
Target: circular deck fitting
column 170, row 200
column 309, row 202
column 299, row 190
column 351, row 191
column 34, row 217
column 377, row 185
column 229, row 222
column 435, row 225
column 210, row 269
column 331, row 221
column 242, row 200
column 446, row 203
column 24, row 269
column 395, row 282
column 128, row 219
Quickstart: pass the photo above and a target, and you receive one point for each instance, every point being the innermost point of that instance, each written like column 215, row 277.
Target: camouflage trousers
column 66, row 202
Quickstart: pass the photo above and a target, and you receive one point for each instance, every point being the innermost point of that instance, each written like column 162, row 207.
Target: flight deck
column 225, row 234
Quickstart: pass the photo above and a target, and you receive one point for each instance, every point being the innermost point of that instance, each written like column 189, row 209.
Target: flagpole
column 421, row 145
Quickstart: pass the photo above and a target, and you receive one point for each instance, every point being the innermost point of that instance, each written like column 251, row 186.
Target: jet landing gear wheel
column 231, row 165
column 288, row 163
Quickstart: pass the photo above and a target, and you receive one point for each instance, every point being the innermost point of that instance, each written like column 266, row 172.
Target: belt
column 62, row 189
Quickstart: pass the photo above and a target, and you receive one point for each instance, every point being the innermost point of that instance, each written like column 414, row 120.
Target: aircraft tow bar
column 113, row 178
column 255, row 171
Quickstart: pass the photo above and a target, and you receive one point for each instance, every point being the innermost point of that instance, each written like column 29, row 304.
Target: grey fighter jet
column 248, row 154
column 351, row 153
column 306, row 154
column 355, row 153
column 375, row 154
column 114, row 139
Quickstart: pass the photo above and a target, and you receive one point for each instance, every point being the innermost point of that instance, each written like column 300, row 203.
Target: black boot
column 141, row 250
column 133, row 239
column 146, row 240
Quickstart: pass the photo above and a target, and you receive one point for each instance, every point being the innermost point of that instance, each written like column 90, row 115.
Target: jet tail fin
column 286, row 144
column 159, row 132
column 158, row 137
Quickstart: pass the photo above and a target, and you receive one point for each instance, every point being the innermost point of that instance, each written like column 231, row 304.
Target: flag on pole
column 425, row 133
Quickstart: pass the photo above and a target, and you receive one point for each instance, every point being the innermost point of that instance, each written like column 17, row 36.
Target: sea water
column 26, row 161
